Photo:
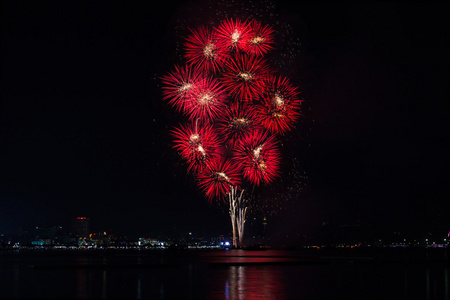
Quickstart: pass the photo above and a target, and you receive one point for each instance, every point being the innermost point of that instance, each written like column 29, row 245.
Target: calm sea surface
column 236, row 274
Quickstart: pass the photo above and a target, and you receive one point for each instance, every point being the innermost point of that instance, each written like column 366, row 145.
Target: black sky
column 84, row 130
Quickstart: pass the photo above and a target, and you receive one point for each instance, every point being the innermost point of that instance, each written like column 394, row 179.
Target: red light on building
column 80, row 226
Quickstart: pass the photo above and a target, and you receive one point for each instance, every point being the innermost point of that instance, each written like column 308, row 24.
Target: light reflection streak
column 81, row 283
column 227, row 290
column 161, row 291
column 139, row 288
column 103, row 284
column 253, row 282
column 16, row 281
column 446, row 283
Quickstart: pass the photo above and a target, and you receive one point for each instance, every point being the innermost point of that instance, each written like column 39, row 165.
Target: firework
column 260, row 40
column 233, row 35
column 244, row 76
column 178, row 86
column 235, row 106
column 279, row 107
column 258, row 157
column 238, row 121
column 219, row 178
column 203, row 50
column 207, row 100
column 198, row 144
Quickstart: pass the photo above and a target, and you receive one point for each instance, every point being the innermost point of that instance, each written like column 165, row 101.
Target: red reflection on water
column 250, row 257
column 249, row 275
column 81, row 283
column 250, row 282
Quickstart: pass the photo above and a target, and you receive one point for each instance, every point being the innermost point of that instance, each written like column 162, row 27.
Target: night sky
column 84, row 131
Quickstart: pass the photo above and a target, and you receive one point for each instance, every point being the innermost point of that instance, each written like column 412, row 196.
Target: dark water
column 233, row 274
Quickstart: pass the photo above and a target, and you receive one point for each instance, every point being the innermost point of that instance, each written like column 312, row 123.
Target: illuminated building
column 80, row 227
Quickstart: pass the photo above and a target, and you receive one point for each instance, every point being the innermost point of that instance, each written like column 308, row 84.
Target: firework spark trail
column 207, row 100
column 260, row 40
column 198, row 145
column 219, row 178
column 244, row 76
column 203, row 51
column 178, row 86
column 237, row 121
column 237, row 210
column 279, row 107
column 234, row 34
column 258, row 157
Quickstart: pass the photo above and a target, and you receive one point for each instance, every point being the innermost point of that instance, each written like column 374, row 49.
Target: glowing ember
column 257, row 40
column 208, row 51
column 235, row 36
column 194, row 138
column 262, row 165
column 277, row 114
column 185, row 86
column 278, row 100
column 223, row 175
column 206, row 98
column 257, row 151
column 246, row 76
column 201, row 150
column 240, row 122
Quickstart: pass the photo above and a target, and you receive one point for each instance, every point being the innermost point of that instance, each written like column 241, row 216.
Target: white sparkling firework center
column 223, row 175
column 208, row 51
column 235, row 36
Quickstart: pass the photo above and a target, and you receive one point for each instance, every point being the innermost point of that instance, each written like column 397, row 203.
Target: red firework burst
column 234, row 34
column 207, row 100
column 218, row 179
column 279, row 107
column 238, row 121
column 197, row 144
column 244, row 76
column 203, row 51
column 260, row 40
column 178, row 85
column 258, row 157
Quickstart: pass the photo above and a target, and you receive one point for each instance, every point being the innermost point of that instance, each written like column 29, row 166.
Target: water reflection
column 251, row 282
column 103, row 284
column 161, row 291
column 81, row 283
column 446, row 283
column 16, row 280
column 139, row 282
column 222, row 276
